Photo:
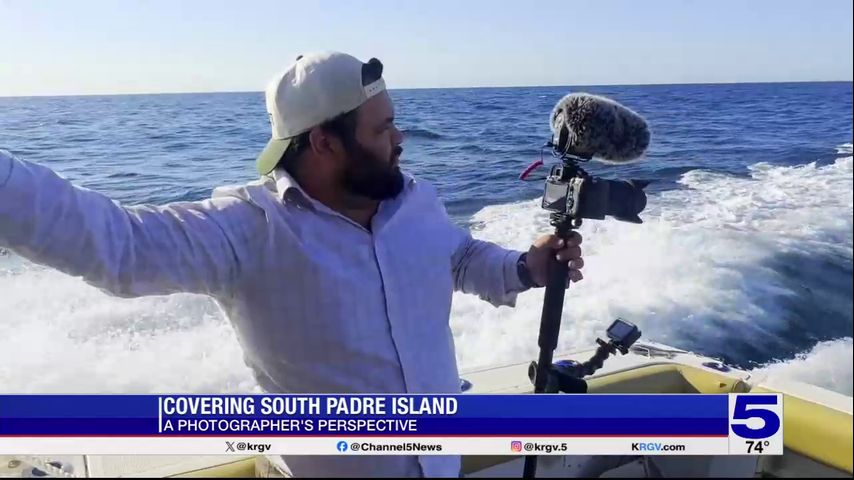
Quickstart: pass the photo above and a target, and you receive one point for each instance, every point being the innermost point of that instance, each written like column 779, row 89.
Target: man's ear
column 320, row 141
column 323, row 143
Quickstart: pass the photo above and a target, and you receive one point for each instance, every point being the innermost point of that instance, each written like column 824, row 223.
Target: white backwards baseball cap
column 316, row 88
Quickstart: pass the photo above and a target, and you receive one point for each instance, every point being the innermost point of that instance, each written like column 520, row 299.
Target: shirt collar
column 287, row 188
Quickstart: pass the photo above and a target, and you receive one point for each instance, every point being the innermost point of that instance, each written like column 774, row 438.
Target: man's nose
column 397, row 136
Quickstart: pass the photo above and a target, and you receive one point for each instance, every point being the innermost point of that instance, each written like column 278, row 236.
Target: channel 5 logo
column 756, row 416
column 756, row 424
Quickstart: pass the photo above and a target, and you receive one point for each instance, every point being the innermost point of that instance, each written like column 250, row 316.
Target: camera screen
column 620, row 330
column 554, row 197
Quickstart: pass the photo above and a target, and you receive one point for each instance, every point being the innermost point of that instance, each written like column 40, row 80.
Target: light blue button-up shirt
column 319, row 303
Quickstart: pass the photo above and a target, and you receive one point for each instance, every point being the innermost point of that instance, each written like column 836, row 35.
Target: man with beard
column 336, row 269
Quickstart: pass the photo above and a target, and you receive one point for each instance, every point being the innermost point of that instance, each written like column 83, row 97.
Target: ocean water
column 745, row 253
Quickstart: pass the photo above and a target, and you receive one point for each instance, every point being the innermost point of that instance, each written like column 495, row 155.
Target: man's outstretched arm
column 128, row 251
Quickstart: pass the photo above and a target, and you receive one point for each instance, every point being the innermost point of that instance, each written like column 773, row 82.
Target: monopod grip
column 553, row 303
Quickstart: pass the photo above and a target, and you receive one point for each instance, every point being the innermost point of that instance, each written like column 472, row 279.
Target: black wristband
column 523, row 272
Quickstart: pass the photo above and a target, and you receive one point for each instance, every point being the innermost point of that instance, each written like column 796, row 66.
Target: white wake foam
column 827, row 365
column 58, row 334
column 695, row 269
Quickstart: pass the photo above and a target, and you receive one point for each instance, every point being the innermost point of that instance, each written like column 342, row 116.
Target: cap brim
column 272, row 153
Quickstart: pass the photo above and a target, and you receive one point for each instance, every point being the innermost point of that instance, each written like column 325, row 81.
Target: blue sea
column 745, row 252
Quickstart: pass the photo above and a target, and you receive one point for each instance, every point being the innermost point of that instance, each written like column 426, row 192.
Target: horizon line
column 204, row 92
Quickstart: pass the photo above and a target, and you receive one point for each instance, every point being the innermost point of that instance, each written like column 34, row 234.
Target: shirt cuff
column 5, row 167
column 511, row 273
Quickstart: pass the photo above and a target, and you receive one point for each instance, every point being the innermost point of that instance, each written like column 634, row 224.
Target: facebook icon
column 342, row 446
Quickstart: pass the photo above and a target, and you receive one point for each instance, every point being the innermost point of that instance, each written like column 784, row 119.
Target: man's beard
column 368, row 175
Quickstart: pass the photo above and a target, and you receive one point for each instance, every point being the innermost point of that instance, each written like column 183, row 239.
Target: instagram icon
column 516, row 446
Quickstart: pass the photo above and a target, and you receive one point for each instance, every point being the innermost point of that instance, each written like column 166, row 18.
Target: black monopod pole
column 550, row 323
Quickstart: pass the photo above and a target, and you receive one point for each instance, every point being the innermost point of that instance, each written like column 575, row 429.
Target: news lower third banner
column 557, row 424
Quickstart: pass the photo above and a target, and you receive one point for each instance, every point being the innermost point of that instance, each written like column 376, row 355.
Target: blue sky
column 132, row 46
